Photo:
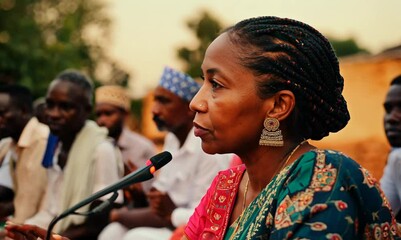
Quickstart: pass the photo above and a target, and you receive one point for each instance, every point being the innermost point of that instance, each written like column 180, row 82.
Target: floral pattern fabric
column 322, row 195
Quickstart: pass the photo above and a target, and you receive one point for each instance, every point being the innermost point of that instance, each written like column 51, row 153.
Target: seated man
column 391, row 179
column 23, row 141
column 181, row 183
column 112, row 108
column 85, row 160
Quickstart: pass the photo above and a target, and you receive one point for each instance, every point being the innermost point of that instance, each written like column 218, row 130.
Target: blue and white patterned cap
column 179, row 83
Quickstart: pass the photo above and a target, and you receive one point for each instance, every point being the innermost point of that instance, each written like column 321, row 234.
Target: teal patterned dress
column 322, row 195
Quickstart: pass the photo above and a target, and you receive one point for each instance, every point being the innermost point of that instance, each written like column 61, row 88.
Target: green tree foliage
column 345, row 47
column 206, row 28
column 40, row 38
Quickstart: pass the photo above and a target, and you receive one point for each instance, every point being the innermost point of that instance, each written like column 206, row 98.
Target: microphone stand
column 126, row 181
column 139, row 175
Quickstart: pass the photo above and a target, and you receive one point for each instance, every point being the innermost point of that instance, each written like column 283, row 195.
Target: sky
column 146, row 34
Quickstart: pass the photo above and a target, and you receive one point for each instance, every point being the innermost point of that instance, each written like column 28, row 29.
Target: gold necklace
column 275, row 173
column 247, row 186
column 243, row 209
column 288, row 158
column 245, row 193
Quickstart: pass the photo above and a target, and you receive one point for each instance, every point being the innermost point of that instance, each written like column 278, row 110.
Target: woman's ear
column 283, row 104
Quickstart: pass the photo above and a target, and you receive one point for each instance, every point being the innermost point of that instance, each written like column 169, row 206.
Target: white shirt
column 189, row 174
column 23, row 172
column 32, row 133
column 391, row 180
column 104, row 176
column 137, row 149
column 5, row 174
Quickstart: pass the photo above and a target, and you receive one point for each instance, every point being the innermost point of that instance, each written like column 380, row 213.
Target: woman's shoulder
column 234, row 170
column 229, row 178
column 329, row 158
column 324, row 168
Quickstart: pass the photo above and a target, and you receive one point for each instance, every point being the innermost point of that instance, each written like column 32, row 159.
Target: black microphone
column 140, row 175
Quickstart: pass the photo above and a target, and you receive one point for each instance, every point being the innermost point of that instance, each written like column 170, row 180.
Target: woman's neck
column 266, row 163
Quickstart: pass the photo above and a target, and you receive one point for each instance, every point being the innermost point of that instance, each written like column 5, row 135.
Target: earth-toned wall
column 366, row 84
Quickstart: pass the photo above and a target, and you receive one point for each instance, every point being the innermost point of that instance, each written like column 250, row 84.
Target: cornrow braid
column 288, row 54
column 396, row 81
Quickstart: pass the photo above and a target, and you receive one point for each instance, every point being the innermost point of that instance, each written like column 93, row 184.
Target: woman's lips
column 199, row 131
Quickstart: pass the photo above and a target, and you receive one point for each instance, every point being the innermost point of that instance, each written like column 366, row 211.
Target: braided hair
column 396, row 81
column 288, row 54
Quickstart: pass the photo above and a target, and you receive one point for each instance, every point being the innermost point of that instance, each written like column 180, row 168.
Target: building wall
column 149, row 128
column 365, row 86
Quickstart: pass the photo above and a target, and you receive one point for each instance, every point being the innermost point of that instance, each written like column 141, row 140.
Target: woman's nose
column 198, row 104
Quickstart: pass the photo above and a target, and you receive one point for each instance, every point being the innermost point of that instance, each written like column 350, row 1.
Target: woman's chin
column 210, row 148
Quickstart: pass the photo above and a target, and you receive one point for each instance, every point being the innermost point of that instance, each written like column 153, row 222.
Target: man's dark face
column 67, row 109
column 392, row 116
column 10, row 118
column 111, row 117
column 169, row 111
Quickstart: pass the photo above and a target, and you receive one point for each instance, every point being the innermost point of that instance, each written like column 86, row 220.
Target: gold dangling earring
column 271, row 135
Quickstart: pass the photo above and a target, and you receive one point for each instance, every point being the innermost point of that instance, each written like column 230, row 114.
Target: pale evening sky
column 146, row 34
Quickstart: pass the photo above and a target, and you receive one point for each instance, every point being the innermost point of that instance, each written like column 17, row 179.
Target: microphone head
column 161, row 159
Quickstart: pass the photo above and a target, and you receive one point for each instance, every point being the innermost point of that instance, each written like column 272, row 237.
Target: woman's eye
column 215, row 85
